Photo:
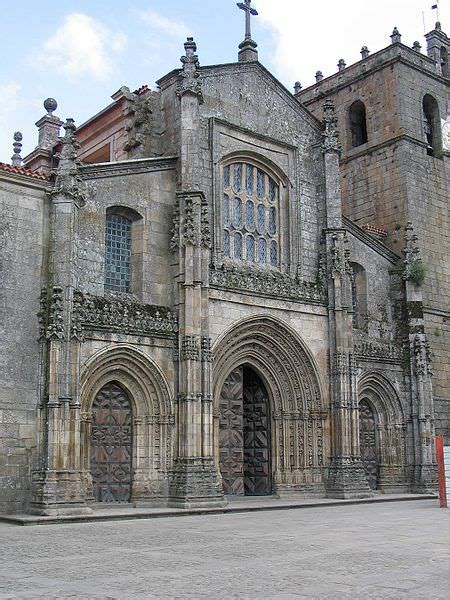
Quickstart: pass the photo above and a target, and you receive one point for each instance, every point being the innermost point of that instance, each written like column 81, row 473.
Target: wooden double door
column 244, row 435
column 368, row 443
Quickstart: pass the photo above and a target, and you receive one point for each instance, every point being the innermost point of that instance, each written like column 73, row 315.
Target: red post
column 441, row 471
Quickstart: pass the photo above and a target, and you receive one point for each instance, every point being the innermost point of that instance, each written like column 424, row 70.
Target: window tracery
column 250, row 215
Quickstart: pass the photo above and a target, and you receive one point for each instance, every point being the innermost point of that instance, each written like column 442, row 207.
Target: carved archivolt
column 152, row 406
column 298, row 410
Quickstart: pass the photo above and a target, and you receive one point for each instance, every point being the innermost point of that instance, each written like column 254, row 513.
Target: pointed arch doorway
column 245, row 434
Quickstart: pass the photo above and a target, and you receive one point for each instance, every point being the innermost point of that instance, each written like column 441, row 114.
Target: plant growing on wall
column 415, row 271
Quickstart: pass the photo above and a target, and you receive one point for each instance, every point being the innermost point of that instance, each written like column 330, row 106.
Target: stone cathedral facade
column 219, row 288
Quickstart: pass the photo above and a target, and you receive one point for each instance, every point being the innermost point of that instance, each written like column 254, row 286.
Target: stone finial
column 365, row 52
column 50, row 106
column 68, row 180
column 330, row 136
column 16, row 159
column 297, row 87
column 396, row 37
column 189, row 79
column 341, row 64
column 49, row 126
column 438, row 26
column 318, row 76
column 416, row 46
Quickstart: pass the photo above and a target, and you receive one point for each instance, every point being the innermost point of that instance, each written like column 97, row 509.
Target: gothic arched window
column 250, row 215
column 432, row 125
column 123, row 268
column 444, row 61
column 358, row 123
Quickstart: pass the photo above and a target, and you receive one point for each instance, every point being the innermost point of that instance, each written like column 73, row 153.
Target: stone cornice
column 128, row 167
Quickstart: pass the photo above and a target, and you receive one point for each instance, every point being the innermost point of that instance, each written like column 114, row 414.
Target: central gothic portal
column 244, row 435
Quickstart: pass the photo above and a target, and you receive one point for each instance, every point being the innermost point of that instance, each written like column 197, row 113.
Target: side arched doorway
column 111, row 445
column 245, row 434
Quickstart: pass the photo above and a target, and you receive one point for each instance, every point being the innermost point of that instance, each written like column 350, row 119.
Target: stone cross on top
column 247, row 6
column 247, row 49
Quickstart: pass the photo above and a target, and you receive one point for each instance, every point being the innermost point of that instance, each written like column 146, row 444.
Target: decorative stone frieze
column 378, row 350
column 123, row 314
column 265, row 282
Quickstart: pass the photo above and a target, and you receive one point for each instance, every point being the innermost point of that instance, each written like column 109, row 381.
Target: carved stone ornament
column 190, row 348
column 55, row 323
column 205, row 226
column 266, row 282
column 68, row 180
column 422, row 355
column 122, row 314
column 369, row 349
column 189, row 82
column 330, row 135
column 138, row 111
column 207, row 355
column 340, row 256
column 412, row 252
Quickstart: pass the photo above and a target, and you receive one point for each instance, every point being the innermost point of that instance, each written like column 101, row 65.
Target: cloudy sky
column 82, row 51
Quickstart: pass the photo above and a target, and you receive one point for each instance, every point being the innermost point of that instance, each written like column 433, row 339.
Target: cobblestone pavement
column 394, row 550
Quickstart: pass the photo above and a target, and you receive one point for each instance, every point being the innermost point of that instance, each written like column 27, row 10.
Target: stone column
column 346, row 477
column 194, row 477
column 57, row 487
column 422, row 407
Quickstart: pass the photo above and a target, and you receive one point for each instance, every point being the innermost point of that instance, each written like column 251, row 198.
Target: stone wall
column 23, row 239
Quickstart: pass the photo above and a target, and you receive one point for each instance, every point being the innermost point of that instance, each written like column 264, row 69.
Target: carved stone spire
column 189, row 80
column 330, row 136
column 68, row 179
column 318, row 76
column 247, row 48
column 297, row 87
column 341, row 64
column 16, row 159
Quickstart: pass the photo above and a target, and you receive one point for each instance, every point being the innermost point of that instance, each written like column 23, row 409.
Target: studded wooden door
column 368, row 443
column 111, row 445
column 257, row 472
column 231, row 435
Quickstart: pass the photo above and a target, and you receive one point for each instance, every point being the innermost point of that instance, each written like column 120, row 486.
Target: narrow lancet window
column 358, row 124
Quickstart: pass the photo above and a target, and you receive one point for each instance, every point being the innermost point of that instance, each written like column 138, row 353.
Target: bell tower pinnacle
column 247, row 48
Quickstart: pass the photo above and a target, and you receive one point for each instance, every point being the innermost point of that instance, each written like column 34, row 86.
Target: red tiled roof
column 144, row 88
column 373, row 229
column 23, row 171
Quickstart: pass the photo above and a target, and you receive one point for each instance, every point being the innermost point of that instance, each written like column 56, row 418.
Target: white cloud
column 161, row 23
column 311, row 36
column 81, row 46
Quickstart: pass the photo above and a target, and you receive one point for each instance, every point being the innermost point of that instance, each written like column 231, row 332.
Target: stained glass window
column 249, row 179
column 237, row 177
column 262, row 250
column 260, row 183
column 249, row 215
column 237, row 213
column 238, row 246
column 117, row 253
column 273, row 253
column 272, row 220
column 261, row 218
column 250, row 241
column 226, row 210
column 250, row 202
